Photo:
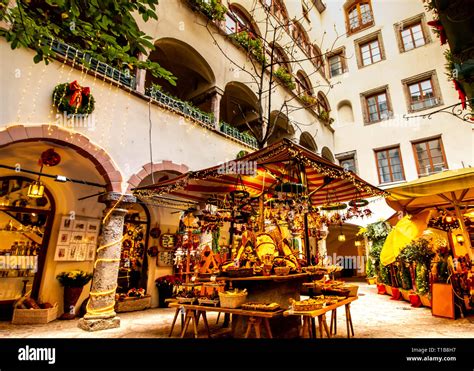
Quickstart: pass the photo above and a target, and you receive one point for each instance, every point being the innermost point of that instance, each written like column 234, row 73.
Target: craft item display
column 77, row 239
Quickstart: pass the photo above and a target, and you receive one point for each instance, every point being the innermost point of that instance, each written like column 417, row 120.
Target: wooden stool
column 306, row 330
column 333, row 322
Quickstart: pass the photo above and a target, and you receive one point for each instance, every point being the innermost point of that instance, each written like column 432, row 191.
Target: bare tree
column 263, row 57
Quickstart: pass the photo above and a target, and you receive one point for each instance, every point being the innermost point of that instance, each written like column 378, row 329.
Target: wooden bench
column 255, row 318
column 309, row 326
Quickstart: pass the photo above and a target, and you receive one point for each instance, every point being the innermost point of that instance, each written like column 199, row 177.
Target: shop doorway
column 25, row 228
column 133, row 271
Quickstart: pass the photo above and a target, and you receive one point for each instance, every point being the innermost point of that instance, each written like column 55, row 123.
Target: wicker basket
column 232, row 301
column 34, row 316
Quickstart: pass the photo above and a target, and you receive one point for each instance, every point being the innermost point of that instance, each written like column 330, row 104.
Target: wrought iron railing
column 73, row 54
column 205, row 119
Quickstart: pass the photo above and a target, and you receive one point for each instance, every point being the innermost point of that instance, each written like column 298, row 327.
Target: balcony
column 79, row 58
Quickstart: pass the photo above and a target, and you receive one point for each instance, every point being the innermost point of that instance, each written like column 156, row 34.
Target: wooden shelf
column 266, row 278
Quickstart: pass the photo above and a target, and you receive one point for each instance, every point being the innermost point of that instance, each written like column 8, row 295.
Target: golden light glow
column 357, row 243
column 36, row 189
column 460, row 239
column 341, row 237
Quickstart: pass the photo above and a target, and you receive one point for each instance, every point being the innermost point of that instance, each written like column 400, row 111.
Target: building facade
column 346, row 75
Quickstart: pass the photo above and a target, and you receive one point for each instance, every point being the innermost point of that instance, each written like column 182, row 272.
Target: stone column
column 100, row 309
column 215, row 108
column 141, row 75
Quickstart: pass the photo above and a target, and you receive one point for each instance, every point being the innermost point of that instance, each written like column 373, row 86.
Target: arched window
column 317, row 59
column 323, row 104
column 280, row 58
column 303, row 85
column 301, row 37
column 359, row 16
column 278, row 9
column 236, row 20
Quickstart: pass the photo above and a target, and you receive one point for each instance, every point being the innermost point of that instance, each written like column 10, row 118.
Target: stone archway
column 150, row 168
column 77, row 141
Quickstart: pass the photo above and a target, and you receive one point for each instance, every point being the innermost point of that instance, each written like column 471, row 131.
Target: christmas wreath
column 73, row 98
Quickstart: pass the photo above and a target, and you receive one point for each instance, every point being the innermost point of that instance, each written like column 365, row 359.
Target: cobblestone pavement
column 374, row 316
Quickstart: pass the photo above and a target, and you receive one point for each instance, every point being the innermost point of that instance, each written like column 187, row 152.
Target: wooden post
column 261, row 223
column 306, row 240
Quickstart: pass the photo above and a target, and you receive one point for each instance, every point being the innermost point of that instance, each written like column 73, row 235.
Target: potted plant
column 73, row 282
column 370, row 272
column 165, row 286
column 420, row 253
column 285, row 77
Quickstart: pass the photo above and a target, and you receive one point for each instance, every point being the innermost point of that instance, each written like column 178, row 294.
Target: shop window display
column 25, row 225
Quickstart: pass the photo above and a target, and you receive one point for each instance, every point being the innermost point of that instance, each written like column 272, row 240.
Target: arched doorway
column 281, row 127
column 239, row 107
column 194, row 75
column 25, row 228
column 84, row 172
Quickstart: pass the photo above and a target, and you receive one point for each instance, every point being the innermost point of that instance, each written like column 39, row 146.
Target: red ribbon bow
column 76, row 98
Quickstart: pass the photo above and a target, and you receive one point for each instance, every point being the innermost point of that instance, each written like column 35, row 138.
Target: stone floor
column 374, row 316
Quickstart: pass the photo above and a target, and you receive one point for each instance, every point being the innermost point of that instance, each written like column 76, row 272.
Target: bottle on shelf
column 9, row 226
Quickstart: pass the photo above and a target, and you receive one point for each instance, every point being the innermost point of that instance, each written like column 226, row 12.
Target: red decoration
column 462, row 95
column 415, row 300
column 396, row 294
column 438, row 26
column 76, row 98
column 50, row 158
column 381, row 289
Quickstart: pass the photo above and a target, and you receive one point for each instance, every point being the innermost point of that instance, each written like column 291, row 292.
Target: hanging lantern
column 357, row 243
column 460, row 239
column 36, row 189
column 341, row 237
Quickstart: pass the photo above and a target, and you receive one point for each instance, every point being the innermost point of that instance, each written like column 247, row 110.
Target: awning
column 327, row 182
column 441, row 189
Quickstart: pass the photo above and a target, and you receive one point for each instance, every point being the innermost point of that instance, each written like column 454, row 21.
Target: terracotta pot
column 388, row 289
column 406, row 294
column 71, row 296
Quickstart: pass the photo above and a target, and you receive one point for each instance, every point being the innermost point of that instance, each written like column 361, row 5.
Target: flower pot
column 71, row 296
column 425, row 300
column 388, row 289
column 165, row 291
column 415, row 300
column 371, row 280
column 381, row 289
column 396, row 294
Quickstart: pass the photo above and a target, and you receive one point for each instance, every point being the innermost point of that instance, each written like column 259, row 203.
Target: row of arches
column 238, row 104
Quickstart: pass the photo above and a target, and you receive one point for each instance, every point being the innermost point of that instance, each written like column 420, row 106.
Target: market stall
column 429, row 251
column 257, row 223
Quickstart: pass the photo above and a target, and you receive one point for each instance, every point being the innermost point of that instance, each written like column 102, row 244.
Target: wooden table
column 194, row 312
column 309, row 326
column 272, row 289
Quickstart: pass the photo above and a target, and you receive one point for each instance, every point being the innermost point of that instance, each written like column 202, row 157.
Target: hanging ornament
column 50, row 158
column 73, row 98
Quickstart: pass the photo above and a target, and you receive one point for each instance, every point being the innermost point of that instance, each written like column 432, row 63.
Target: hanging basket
column 334, row 206
column 358, row 203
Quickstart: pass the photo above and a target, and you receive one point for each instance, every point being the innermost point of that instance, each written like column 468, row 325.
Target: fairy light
column 25, row 89
column 108, row 308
